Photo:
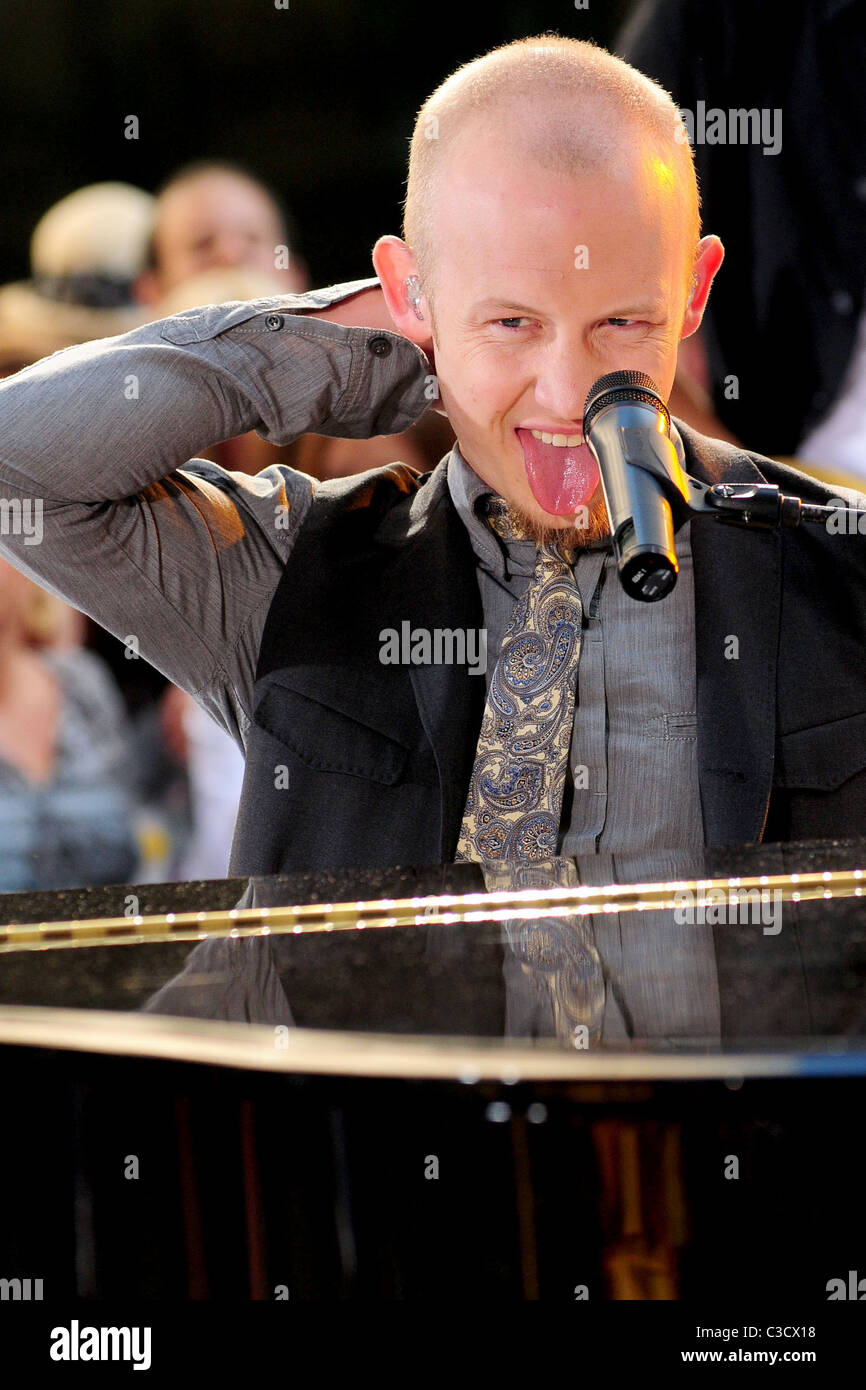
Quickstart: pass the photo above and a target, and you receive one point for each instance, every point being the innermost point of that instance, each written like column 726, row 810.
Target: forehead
column 497, row 209
column 212, row 195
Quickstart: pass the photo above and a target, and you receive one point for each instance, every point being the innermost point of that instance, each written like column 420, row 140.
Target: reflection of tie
column 554, row 974
column 514, row 803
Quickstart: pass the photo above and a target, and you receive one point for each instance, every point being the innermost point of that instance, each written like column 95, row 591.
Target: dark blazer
column 352, row 763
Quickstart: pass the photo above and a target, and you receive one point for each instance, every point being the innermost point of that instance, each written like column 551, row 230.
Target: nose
column 228, row 250
column 562, row 384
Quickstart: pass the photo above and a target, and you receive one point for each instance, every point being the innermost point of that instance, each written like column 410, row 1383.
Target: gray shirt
column 103, row 501
column 635, row 724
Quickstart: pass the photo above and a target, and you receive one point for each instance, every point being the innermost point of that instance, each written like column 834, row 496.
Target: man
column 551, row 236
column 214, row 215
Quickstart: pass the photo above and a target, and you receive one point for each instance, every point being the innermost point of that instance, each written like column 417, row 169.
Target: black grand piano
column 619, row 1078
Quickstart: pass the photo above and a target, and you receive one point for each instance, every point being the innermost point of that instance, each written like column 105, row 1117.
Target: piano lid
column 662, row 963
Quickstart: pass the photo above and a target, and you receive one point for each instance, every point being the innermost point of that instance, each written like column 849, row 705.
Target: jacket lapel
column 737, row 584
column 437, row 584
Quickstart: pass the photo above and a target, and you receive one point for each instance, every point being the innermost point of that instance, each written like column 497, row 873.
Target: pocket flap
column 824, row 756
column 328, row 740
column 196, row 325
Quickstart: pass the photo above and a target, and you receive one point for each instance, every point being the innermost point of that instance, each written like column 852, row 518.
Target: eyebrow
column 646, row 309
column 485, row 306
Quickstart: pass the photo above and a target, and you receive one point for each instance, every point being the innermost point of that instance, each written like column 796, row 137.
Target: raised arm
column 103, row 500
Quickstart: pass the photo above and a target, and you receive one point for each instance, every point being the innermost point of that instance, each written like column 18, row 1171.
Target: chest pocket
column 327, row 739
column 822, row 757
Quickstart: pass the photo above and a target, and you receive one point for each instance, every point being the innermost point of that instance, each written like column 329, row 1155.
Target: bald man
column 424, row 668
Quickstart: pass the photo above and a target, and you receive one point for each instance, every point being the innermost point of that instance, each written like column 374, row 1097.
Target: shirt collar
column 469, row 493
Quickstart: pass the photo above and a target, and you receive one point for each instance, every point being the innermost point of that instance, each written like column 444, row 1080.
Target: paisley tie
column 514, row 804
column 554, row 974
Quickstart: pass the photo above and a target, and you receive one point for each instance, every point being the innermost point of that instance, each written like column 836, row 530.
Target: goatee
column 594, row 527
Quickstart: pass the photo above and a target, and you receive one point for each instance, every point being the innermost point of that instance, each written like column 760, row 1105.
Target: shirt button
column 380, row 347
column 273, row 322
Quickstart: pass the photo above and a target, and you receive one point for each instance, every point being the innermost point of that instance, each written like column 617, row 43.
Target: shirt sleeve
column 103, row 501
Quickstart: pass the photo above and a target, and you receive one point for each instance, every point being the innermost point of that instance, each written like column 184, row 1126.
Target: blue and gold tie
column 514, row 804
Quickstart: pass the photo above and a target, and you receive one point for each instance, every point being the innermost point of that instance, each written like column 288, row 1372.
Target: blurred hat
column 85, row 255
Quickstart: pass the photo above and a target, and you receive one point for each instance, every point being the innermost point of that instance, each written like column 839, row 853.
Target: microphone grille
column 622, row 386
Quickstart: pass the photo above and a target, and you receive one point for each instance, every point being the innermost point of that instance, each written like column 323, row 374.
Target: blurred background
column 320, row 97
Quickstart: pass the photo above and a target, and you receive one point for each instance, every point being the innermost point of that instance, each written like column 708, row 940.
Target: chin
column 572, row 533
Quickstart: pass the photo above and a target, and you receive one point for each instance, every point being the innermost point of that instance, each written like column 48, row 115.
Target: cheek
column 662, row 362
column 482, row 390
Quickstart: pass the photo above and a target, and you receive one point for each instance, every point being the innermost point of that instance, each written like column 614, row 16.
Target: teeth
column 562, row 441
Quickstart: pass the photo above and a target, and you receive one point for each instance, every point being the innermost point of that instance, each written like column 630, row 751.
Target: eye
column 620, row 323
column 511, row 324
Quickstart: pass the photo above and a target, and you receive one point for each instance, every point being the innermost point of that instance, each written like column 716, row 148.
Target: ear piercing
column 413, row 294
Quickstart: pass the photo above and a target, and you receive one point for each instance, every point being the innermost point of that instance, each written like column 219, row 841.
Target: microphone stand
column 760, row 505
column 623, row 436
column 763, row 505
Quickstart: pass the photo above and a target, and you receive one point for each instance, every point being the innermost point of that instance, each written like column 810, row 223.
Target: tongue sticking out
column 562, row 478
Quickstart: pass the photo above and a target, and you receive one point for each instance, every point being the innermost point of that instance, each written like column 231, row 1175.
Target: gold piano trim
column 436, row 910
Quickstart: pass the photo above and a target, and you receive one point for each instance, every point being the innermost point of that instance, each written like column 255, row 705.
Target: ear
column 394, row 262
column 710, row 254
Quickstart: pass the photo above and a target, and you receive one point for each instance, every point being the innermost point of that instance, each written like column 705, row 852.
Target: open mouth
column 560, row 468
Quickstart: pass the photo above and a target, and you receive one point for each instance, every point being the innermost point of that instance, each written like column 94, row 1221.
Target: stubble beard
column 568, row 538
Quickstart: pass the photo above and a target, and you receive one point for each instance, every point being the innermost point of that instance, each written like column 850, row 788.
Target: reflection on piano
column 613, row 1078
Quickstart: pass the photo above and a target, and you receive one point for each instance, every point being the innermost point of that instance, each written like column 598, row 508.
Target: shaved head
column 552, row 226
column 565, row 105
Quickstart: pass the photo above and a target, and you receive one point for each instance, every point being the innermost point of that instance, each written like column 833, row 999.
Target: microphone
column 627, row 426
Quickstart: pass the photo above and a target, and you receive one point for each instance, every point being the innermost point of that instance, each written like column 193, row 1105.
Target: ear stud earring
column 413, row 294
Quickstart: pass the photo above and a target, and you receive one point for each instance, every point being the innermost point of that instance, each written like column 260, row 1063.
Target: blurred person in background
column 216, row 215
column 65, row 758
column 780, row 359
column 85, row 255
column 219, row 234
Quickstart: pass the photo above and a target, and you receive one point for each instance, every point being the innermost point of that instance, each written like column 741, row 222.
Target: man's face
column 216, row 221
column 544, row 284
